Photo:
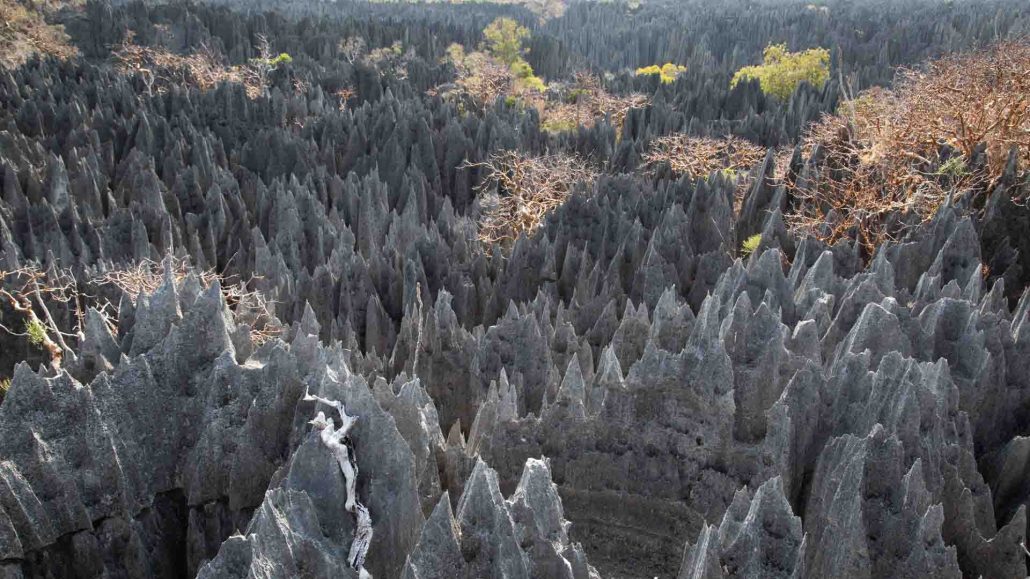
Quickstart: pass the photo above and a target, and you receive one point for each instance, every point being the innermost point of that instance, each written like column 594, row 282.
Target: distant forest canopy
column 867, row 36
column 867, row 42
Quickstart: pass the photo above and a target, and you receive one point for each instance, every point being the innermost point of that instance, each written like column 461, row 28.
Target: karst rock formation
column 619, row 393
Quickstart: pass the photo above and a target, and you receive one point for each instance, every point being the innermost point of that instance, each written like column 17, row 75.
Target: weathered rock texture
column 183, row 461
column 809, row 411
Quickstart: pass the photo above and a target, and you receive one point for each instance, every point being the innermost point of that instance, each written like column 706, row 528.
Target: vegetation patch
column 907, row 149
column 782, row 71
column 205, row 69
column 518, row 191
column 700, row 156
column 668, row 72
column 24, row 32
column 499, row 70
column 51, row 304
column 750, row 245
column 584, row 102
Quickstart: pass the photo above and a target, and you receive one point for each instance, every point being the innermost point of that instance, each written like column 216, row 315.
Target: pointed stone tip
column 454, row 435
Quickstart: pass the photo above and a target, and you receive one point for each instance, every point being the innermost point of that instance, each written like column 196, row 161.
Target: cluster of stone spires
column 798, row 413
column 836, row 422
column 154, row 468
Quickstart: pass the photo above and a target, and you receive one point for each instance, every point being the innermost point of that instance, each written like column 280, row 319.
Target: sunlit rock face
column 620, row 393
column 212, row 467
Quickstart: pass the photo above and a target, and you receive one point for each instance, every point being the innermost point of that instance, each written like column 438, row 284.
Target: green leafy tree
column 504, row 39
column 782, row 71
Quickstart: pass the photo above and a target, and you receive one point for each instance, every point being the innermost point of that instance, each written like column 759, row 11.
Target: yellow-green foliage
column 524, row 76
column 751, row 244
column 456, row 53
column 782, row 71
column 555, row 126
column 5, row 385
column 504, row 39
column 273, row 62
column 37, row 333
column 954, row 167
column 283, row 58
column 668, row 71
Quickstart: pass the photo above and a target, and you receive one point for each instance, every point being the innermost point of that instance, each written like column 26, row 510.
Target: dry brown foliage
column 883, row 151
column 249, row 307
column 31, row 292
column 343, row 95
column 589, row 103
column 527, row 189
column 700, row 156
column 25, row 32
column 480, row 79
column 204, row 69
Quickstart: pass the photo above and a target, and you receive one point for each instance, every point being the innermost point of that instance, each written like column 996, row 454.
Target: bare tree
column 27, row 291
column 262, row 65
column 883, row 154
column 527, row 188
column 339, row 444
column 248, row 306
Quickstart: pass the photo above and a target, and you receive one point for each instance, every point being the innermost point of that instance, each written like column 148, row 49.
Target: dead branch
column 160, row 69
column 909, row 149
column 585, row 101
column 339, row 444
column 248, row 306
column 527, row 189
column 27, row 291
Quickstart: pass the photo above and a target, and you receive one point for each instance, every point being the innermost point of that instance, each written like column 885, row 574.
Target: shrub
column 524, row 76
column 283, row 58
column 668, row 72
column 36, row 332
column 160, row 68
column 481, row 79
column 782, row 71
column 586, row 103
column 954, row 167
column 750, row 245
column 699, row 156
column 527, row 189
column 886, row 151
column 504, row 39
